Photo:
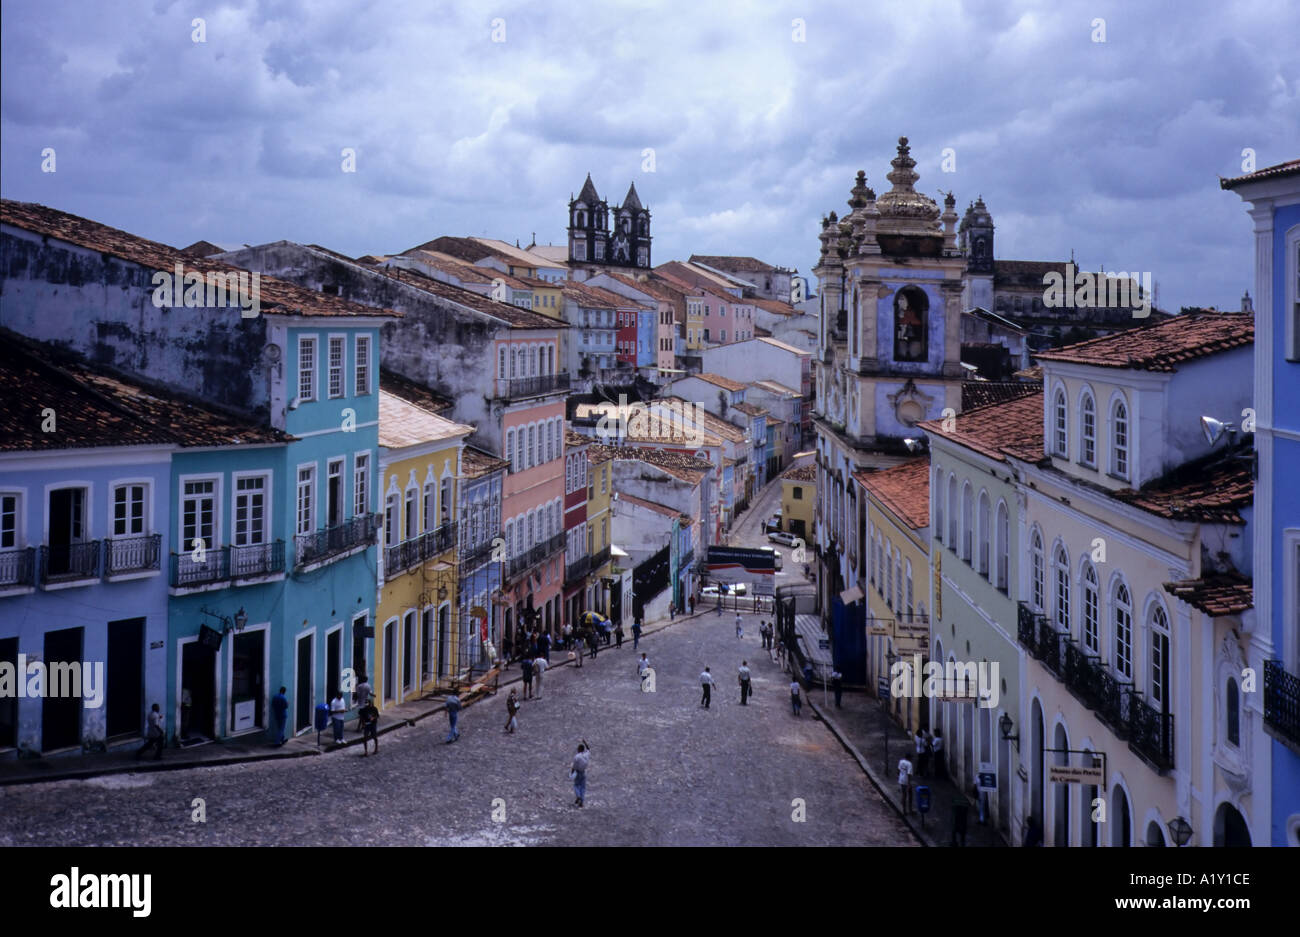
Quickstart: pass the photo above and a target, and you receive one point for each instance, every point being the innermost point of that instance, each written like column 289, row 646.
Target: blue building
column 647, row 337
column 1274, row 195
column 270, row 555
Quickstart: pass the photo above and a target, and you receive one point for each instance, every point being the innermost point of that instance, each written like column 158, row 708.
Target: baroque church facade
column 601, row 236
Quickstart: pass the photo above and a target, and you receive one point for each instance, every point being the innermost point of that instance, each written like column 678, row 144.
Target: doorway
column 1230, row 827
column 390, row 651
column 9, row 704
column 61, row 715
column 67, row 528
column 426, row 642
column 247, row 683
column 444, row 633
column 124, row 708
column 359, row 663
column 198, row 678
column 408, row 653
column 302, row 694
column 333, row 661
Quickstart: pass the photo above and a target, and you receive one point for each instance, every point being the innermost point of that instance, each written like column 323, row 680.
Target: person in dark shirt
column 280, row 713
column 369, row 727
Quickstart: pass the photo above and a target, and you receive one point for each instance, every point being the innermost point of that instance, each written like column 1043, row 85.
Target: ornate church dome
column 903, row 210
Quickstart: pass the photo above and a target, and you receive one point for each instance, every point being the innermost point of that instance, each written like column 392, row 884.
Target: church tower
column 975, row 238
column 588, row 226
column 630, row 242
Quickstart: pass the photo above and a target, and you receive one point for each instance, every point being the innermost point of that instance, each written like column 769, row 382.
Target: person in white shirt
column 740, row 629
column 539, row 668
column 795, row 703
column 338, row 711
column 936, row 748
column 578, row 771
column 744, row 683
column 706, row 681
column 905, row 784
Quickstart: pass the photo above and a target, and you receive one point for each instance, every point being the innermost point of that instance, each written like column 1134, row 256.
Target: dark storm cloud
column 1107, row 149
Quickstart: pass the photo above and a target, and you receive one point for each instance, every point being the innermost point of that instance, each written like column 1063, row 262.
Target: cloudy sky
column 1110, row 149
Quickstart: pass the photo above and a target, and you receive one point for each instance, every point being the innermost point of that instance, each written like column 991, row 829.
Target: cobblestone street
column 664, row 771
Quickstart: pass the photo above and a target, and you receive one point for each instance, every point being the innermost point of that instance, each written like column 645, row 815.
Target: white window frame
column 360, row 484
column 1087, row 439
column 361, row 365
column 311, row 373
column 19, row 534
column 336, row 373
column 311, row 485
column 146, row 513
column 1119, row 400
column 1122, row 656
column 187, row 544
column 1059, row 427
column 235, row 495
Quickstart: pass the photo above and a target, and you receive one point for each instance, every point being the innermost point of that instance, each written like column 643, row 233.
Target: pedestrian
column 508, row 647
column 981, row 801
column 618, row 633
column 594, row 637
column 338, row 712
column 922, row 755
column 743, row 677
column 936, row 748
column 187, row 709
column 539, row 668
column 672, row 610
column 362, row 695
column 568, row 636
column 369, row 727
column 795, row 703
column 527, row 665
column 837, row 684
column 808, row 675
column 154, row 735
column 636, row 633
column 579, row 639
column 692, row 603
column 280, row 714
column 1033, row 832
column 780, row 654
column 512, row 709
column 544, row 646
column 719, row 603
column 578, row 772
column 905, row 784
column 453, row 714
column 641, row 666
column 740, row 627
column 706, row 681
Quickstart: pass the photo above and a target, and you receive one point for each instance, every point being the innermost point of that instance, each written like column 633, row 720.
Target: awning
column 616, row 550
column 849, row 596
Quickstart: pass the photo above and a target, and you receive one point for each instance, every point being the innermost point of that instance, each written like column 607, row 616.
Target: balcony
column 323, row 544
column 1282, row 703
column 471, row 556
column 17, row 567
column 68, row 562
column 258, row 559
column 531, row 557
column 411, row 553
column 687, row 559
column 227, row 565
column 514, row 388
column 214, row 567
column 1041, row 640
column 577, row 570
column 1092, row 684
column 132, row 554
column 1152, row 733
column 600, row 557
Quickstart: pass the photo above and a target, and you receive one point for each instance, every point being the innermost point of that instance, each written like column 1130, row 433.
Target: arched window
column 1233, row 712
column 510, row 450
column 1123, row 632
column 853, row 334
column 501, row 363
column 909, row 606
column 938, row 490
column 911, row 332
column 1058, row 424
column 1061, row 569
column 510, row 539
column 1038, row 562
column 984, row 534
column 889, row 575
column 1160, row 660
column 952, row 513
column 967, row 523
column 1091, row 609
column 1088, row 431
column 1003, row 531
column 1119, row 438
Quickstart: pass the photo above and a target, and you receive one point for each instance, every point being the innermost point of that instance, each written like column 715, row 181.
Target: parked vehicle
column 725, row 589
column 782, row 537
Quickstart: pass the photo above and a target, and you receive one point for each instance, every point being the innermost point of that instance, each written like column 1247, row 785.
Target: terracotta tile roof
column 573, row 440
column 1161, row 346
column 516, row 316
column 774, row 305
column 712, row 424
column 452, row 266
column 277, row 297
column 976, row 394
column 1290, row 168
column 677, row 283
column 202, row 249
column 775, row 387
column 94, row 407
column 1013, row 428
column 417, row 394
column 402, row 424
column 599, row 455
column 725, row 383
column 475, row 463
column 1213, row 489
column 777, row 343
column 687, row 468
column 752, row 264
column 749, row 409
column 903, row 489
column 801, row 473
column 649, row 505
column 594, row 296
column 1216, row 594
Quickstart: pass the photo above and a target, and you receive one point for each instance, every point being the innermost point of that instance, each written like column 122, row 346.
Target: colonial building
column 597, row 240
column 766, row 281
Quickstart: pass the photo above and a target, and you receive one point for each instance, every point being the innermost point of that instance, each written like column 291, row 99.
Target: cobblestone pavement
column 664, row 771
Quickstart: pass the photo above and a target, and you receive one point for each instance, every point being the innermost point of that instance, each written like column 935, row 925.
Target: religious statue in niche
column 910, row 339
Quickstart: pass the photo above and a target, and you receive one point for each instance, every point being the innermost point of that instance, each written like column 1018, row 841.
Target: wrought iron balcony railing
column 420, row 548
column 132, row 554
column 18, row 567
column 211, row 565
column 534, row 555
column 258, row 559
column 1151, row 732
column 67, row 561
column 511, row 388
column 600, row 557
column 577, row 569
column 476, row 554
column 1282, row 701
column 323, row 544
column 1041, row 640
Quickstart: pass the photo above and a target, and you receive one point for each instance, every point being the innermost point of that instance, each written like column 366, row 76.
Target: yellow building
column 600, row 525
column 799, row 500
column 896, row 558
column 417, row 645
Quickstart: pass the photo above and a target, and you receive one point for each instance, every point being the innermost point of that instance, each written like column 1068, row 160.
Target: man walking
column 369, row 727
column 795, row 702
column 905, row 784
column 512, row 708
column 706, row 681
column 744, row 682
column 579, row 639
column 527, row 665
column 922, row 754
column 618, row 634
column 837, row 684
column 740, row 627
column 453, row 713
column 539, row 668
column 154, row 735
column 338, row 712
column 636, row 633
column 936, row 750
column 280, row 714
column 641, row 667
column 594, row 637
column 544, row 645
column 578, row 771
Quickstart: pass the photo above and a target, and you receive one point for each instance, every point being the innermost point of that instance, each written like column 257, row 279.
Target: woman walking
column 578, row 772
column 512, row 707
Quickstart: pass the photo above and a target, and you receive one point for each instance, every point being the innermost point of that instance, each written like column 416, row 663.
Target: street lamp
column 1214, row 429
column 1180, row 830
column 1005, row 725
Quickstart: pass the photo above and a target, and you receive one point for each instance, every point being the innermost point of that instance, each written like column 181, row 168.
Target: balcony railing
column 18, row 567
column 474, row 555
column 259, row 559
column 227, row 564
column 510, row 388
column 212, row 566
column 132, row 554
column 687, row 559
column 67, row 561
column 1282, row 701
column 410, row 553
column 322, row 544
column 1041, row 640
column 534, row 555
column 1097, row 688
column 577, row 569
column 600, row 557
column 1152, row 732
